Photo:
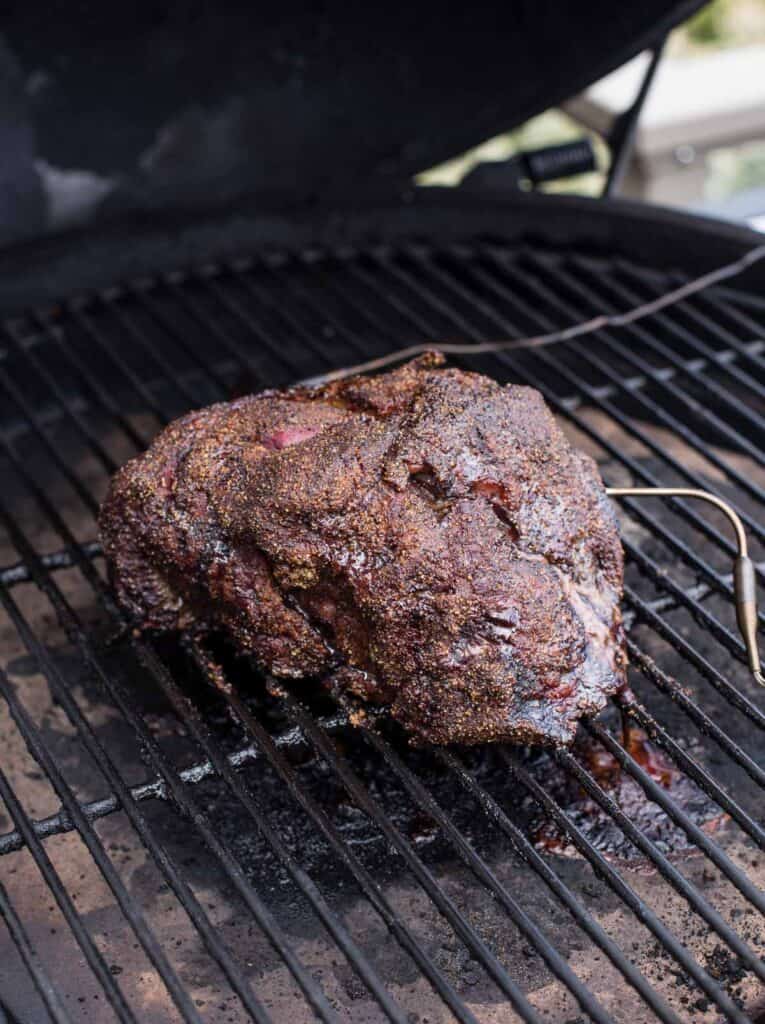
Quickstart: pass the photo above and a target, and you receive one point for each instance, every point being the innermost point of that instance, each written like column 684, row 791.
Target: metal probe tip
column 744, row 577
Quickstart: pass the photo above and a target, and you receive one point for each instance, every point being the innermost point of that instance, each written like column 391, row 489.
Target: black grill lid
column 190, row 104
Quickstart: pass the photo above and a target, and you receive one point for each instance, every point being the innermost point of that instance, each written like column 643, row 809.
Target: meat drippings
column 597, row 825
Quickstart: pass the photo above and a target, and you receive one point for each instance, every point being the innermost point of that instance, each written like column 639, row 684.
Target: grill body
column 183, row 841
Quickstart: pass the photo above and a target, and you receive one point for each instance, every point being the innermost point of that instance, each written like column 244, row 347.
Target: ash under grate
column 274, row 863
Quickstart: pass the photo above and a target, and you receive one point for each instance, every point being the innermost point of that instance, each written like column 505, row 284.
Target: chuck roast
column 425, row 538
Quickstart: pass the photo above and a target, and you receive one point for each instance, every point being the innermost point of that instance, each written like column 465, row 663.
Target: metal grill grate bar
column 640, row 473
column 709, row 356
column 527, row 851
column 425, row 877
column 586, row 295
column 31, row 959
column 669, row 686
column 41, row 372
column 604, row 870
column 444, row 905
column 63, row 899
column 646, row 782
column 42, row 756
column 713, row 852
column 483, row 873
column 123, row 800
column 69, row 620
column 61, row 559
column 304, row 883
column 156, row 789
column 720, row 307
column 651, row 569
column 147, row 301
column 639, row 513
column 399, row 282
column 577, row 284
column 268, row 746
column 523, row 373
column 692, row 657
column 653, row 410
column 91, row 384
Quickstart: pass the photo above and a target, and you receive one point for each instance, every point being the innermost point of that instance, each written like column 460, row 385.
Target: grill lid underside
column 309, row 101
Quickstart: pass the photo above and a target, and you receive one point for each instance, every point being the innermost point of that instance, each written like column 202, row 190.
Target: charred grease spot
column 598, row 826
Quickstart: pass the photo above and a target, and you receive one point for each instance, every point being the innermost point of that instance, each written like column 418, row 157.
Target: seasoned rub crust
column 426, row 536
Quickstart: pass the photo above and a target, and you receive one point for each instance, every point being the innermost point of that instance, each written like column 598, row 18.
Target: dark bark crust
column 427, row 529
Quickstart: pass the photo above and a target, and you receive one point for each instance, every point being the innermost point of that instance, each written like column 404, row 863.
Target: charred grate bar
column 671, row 827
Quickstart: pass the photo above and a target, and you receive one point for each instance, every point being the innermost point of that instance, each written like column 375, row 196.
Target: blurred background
column 701, row 139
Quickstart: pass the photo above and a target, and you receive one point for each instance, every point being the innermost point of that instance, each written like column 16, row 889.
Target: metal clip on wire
column 744, row 582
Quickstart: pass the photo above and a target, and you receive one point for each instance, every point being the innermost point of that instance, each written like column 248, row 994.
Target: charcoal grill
column 184, row 839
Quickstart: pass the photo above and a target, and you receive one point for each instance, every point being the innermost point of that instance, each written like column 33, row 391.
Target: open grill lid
column 192, row 105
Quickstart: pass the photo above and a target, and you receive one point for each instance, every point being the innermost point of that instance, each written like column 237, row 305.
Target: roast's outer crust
column 427, row 536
